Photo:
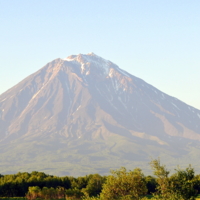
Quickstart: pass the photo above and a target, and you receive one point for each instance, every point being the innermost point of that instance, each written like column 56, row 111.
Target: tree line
column 120, row 184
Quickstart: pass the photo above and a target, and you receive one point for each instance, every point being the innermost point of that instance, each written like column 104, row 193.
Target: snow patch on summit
column 90, row 60
column 85, row 60
column 68, row 59
column 98, row 61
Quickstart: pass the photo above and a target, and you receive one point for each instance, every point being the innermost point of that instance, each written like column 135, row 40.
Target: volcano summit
column 83, row 114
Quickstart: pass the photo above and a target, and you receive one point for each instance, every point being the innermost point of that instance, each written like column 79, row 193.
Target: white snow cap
column 91, row 58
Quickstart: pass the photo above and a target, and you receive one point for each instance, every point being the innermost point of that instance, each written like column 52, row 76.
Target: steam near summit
column 84, row 114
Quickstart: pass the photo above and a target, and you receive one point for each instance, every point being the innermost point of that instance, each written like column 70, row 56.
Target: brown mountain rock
column 84, row 111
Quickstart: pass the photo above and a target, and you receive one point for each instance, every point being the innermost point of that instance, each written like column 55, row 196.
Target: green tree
column 151, row 184
column 45, row 193
column 94, row 185
column 163, row 187
column 33, row 193
column 183, row 182
column 74, row 193
column 123, row 184
column 180, row 186
column 60, row 191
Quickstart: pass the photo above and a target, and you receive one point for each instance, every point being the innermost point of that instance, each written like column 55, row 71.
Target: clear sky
column 155, row 40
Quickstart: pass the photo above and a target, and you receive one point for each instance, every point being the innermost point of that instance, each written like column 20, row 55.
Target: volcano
column 83, row 114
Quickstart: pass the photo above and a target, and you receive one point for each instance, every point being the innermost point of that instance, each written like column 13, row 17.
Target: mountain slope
column 85, row 111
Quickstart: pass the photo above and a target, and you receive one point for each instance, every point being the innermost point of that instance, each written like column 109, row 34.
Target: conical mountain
column 84, row 114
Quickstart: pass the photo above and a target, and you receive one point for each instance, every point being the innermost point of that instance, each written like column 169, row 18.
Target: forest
column 120, row 184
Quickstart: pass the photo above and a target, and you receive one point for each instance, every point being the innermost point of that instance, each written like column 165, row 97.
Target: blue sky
column 155, row 40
